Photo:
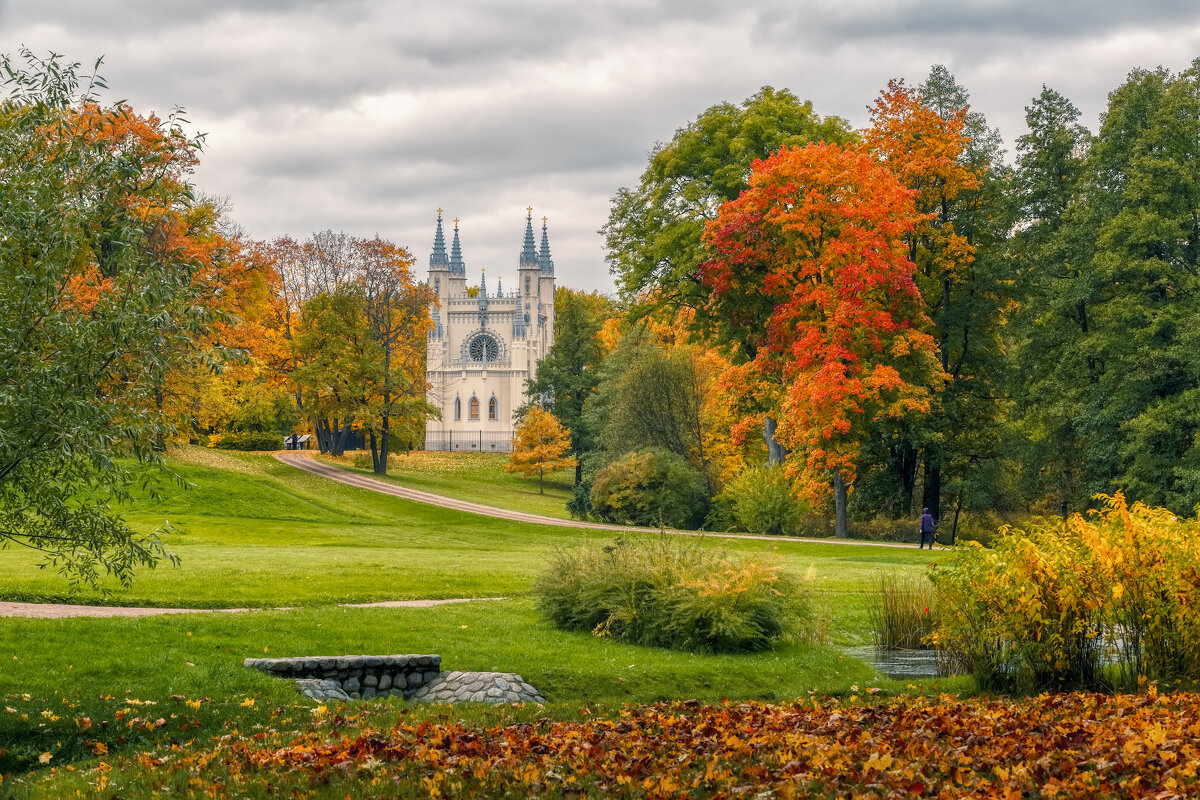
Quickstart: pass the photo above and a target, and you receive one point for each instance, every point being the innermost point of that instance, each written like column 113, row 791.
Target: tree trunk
column 381, row 464
column 578, row 469
column 321, row 429
column 908, row 477
column 540, row 474
column 374, row 452
column 932, row 495
column 957, row 511
column 839, row 504
column 776, row 453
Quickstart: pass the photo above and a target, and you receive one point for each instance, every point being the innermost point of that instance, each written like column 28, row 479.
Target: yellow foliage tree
column 540, row 445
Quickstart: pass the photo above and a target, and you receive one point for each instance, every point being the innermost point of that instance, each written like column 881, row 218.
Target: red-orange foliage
column 810, row 270
column 923, row 150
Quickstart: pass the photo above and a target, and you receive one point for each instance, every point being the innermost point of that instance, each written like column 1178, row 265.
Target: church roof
column 456, row 260
column 437, row 259
column 545, row 264
column 528, row 252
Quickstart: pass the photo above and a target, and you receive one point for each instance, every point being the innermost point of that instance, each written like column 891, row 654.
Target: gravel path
column 60, row 610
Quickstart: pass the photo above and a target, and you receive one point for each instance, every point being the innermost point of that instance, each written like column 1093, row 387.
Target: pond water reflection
column 899, row 663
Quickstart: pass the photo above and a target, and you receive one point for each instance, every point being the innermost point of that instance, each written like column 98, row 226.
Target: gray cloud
column 368, row 115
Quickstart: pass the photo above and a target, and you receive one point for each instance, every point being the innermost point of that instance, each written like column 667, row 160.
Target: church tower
column 483, row 350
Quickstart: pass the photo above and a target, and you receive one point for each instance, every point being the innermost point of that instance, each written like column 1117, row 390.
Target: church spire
column 437, row 259
column 528, row 253
column 456, row 261
column 544, row 261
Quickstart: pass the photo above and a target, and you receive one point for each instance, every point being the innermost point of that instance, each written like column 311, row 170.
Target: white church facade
column 482, row 350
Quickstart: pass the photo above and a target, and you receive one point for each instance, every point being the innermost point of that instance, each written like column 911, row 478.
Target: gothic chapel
column 482, row 350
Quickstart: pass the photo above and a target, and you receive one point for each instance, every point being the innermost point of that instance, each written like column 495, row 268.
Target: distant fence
column 470, row 441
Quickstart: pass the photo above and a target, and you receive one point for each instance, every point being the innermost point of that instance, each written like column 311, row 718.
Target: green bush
column 764, row 502
column 670, row 591
column 252, row 440
column 650, row 487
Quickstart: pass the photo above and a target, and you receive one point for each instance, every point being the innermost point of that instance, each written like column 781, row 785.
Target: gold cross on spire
column 456, row 222
column 439, row 213
column 529, row 210
column 543, row 222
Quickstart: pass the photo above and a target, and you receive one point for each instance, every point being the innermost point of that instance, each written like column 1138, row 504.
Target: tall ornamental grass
column 670, row 591
column 1108, row 601
column 902, row 616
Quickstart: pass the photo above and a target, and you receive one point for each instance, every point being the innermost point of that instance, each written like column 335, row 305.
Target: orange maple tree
column 923, row 150
column 810, row 271
column 540, row 445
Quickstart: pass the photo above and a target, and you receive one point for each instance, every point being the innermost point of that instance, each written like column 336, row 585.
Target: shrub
column 250, row 440
column 902, row 614
column 764, row 502
column 1098, row 603
column 650, row 487
column 580, row 504
column 670, row 591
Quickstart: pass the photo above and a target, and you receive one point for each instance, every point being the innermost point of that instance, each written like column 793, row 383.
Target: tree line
column 900, row 315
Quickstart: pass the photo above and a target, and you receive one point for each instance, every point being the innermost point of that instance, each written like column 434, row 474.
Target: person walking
column 926, row 528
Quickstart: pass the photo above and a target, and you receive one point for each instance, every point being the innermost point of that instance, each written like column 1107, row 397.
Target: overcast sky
column 366, row 115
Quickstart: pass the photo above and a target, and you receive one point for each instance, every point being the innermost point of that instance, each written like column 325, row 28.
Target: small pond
column 898, row 663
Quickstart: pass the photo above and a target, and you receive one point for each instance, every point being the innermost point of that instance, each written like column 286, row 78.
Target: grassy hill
column 256, row 533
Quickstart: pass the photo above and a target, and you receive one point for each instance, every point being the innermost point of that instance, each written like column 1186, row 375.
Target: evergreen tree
column 1055, row 293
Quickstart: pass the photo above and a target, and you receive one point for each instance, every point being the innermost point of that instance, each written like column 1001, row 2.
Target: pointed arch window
column 492, row 408
column 457, row 409
column 473, row 408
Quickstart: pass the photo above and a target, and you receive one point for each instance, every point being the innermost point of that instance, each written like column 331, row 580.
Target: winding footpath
column 305, row 461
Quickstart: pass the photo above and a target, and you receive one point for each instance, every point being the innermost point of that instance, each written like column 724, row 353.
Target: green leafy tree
column 654, row 234
column 97, row 305
column 1055, row 293
column 654, row 231
column 569, row 374
column 1140, row 408
column 339, row 358
column 654, row 399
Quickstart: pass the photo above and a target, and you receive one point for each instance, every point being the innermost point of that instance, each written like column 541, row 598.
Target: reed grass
column 903, row 614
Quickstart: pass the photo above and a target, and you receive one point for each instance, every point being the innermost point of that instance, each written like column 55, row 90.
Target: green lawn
column 256, row 533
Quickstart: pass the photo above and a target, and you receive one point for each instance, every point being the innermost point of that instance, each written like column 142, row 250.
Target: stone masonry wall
column 359, row 677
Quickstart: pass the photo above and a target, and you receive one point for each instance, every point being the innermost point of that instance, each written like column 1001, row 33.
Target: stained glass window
column 484, row 348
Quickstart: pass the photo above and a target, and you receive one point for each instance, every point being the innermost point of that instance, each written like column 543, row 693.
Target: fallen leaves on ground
column 1065, row 746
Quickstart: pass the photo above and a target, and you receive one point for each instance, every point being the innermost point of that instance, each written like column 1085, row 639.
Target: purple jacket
column 927, row 523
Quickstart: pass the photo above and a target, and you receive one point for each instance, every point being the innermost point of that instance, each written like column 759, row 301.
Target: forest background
column 895, row 317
